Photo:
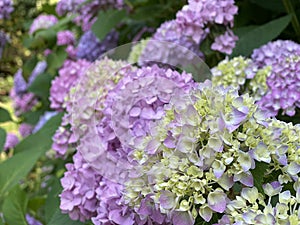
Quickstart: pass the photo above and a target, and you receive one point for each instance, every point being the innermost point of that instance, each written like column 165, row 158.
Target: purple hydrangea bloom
column 274, row 52
column 130, row 108
column 225, row 42
column 63, row 139
column 42, row 22
column 11, row 141
column 24, row 102
column 169, row 46
column 6, row 8
column 32, row 221
column 86, row 12
column 20, row 85
column 195, row 19
column 72, row 52
column 283, row 83
column 65, row 37
column 25, row 129
column 79, row 183
column 68, row 76
column 90, row 47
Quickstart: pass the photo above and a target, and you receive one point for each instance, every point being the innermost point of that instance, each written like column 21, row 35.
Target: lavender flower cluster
column 69, row 74
column 86, row 11
column 196, row 19
column 42, row 22
column 90, row 47
column 81, row 105
column 168, row 45
column 24, row 101
column 6, row 8
column 271, row 76
column 284, row 81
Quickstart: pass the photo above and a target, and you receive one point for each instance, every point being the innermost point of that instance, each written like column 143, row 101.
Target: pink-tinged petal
column 205, row 212
column 153, row 146
column 135, row 112
column 167, row 199
column 182, row 218
column 217, row 201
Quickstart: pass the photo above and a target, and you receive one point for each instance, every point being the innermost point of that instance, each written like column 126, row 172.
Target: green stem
column 290, row 10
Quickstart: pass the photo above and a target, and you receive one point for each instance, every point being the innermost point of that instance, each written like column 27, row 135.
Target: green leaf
column 14, row 207
column 106, row 21
column 56, row 59
column 258, row 175
column 32, row 117
column 27, row 153
column 272, row 5
column 2, row 138
column 48, row 37
column 53, row 212
column 4, row 115
column 41, row 86
column 41, row 140
column 59, row 218
column 37, row 202
column 52, row 201
column 29, row 66
column 260, row 36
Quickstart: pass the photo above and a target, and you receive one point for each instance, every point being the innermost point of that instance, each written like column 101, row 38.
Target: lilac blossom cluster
column 42, row 22
column 90, row 47
column 196, row 20
column 283, row 83
column 6, row 8
column 210, row 142
column 69, row 74
column 86, row 11
column 24, row 101
column 65, row 37
column 11, row 141
column 169, row 45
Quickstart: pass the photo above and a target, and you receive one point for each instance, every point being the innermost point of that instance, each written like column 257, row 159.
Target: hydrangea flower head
column 11, row 141
column 225, row 42
column 24, row 102
column 168, row 45
column 283, row 83
column 194, row 20
column 42, row 22
column 65, row 37
column 69, row 74
column 25, row 129
column 206, row 142
column 86, row 12
column 79, row 183
column 6, row 8
column 243, row 74
column 274, row 52
column 91, row 48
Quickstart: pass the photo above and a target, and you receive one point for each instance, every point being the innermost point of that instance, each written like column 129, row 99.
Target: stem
column 290, row 10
